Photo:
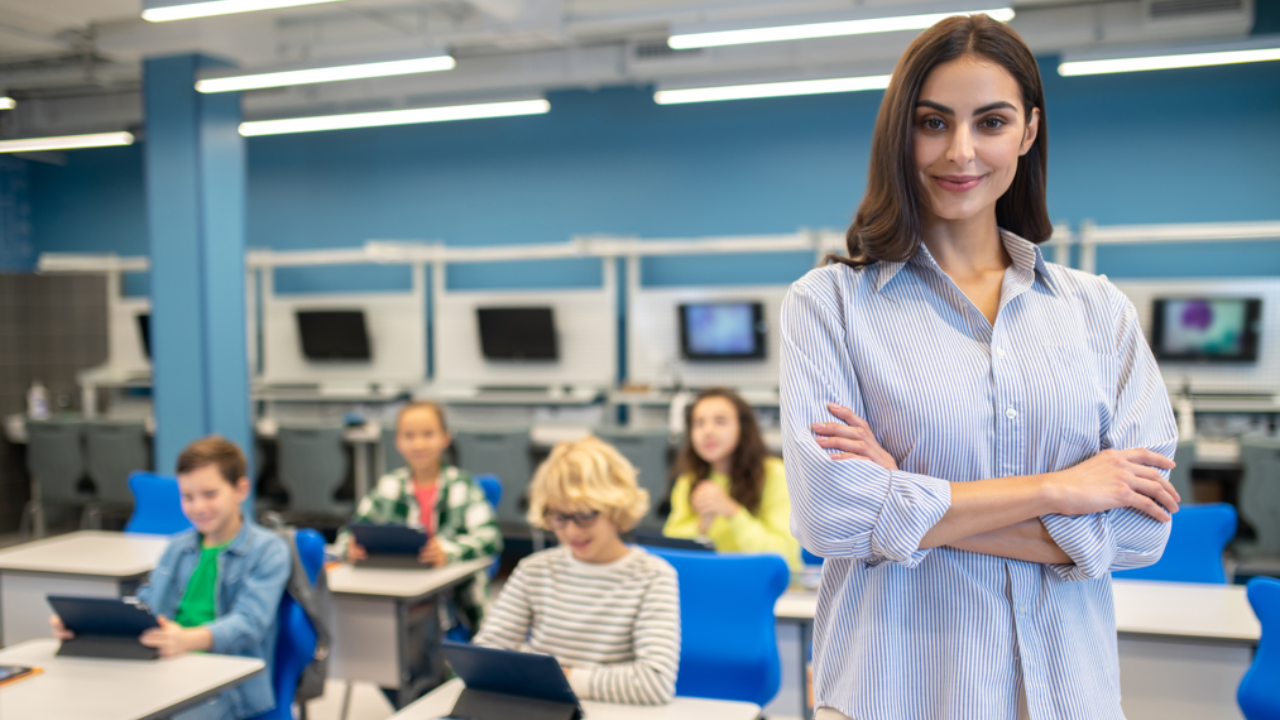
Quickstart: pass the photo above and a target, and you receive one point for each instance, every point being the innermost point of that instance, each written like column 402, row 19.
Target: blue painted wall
column 1193, row 145
column 16, row 250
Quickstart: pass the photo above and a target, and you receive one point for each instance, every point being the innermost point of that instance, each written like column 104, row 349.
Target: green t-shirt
column 197, row 606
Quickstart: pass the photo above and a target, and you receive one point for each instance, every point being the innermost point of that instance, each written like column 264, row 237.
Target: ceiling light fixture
column 1166, row 62
column 334, row 73
column 7, row 103
column 776, row 89
column 66, row 142
column 683, row 41
column 219, row 7
column 395, row 117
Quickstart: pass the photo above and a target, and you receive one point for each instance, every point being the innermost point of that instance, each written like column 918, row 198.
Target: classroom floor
column 367, row 703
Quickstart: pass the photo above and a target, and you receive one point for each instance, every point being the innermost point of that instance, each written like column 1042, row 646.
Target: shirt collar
column 239, row 544
column 1025, row 254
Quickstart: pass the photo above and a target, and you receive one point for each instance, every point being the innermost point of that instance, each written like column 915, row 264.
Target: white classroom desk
column 71, row 688
column 439, row 702
column 1183, row 647
column 89, row 563
column 372, row 608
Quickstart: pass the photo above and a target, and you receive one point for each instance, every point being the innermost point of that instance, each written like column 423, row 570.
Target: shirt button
column 1022, row 609
column 999, row 352
column 1011, row 413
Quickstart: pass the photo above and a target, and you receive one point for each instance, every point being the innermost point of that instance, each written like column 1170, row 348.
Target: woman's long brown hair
column 746, row 476
column 888, row 222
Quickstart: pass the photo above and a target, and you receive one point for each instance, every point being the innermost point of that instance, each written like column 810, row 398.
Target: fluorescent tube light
column 66, row 142
column 325, row 74
column 822, row 30
column 394, row 117
column 777, row 89
column 7, row 103
column 1166, row 62
column 219, row 7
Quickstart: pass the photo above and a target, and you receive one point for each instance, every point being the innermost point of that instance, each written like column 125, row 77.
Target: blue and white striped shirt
column 1064, row 373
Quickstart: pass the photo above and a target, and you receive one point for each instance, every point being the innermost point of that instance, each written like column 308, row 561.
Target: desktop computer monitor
column 144, row 332
column 1206, row 329
column 333, row 335
column 517, row 333
column 722, row 331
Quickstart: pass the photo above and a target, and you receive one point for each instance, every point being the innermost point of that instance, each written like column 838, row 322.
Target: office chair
column 1198, row 537
column 157, row 505
column 492, row 488
column 296, row 639
column 647, row 451
column 1260, row 492
column 1259, row 693
column 114, row 450
column 728, row 647
column 391, row 459
column 55, row 461
column 1180, row 477
column 313, row 465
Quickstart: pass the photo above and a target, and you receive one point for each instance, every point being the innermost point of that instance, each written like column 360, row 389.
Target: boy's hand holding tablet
column 172, row 639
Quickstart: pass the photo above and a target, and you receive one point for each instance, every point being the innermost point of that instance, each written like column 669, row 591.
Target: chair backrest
column 157, row 505
column 296, row 636
column 1180, row 477
column 113, row 451
column 648, row 451
column 1197, row 539
column 504, row 453
column 492, row 488
column 1259, row 692
column 391, row 458
column 313, row 465
column 55, row 459
column 809, row 558
column 728, row 648
column 1260, row 492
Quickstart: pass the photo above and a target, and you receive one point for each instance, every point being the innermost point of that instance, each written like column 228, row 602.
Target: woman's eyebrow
column 999, row 105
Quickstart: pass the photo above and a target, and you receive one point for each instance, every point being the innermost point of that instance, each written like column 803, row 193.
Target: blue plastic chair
column 157, row 505
column 1197, row 539
column 1259, row 693
column 809, row 558
column 492, row 488
column 296, row 638
column 728, row 648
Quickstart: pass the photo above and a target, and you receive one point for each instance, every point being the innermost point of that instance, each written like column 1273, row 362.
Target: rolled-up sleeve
column 1142, row 417
column 850, row 509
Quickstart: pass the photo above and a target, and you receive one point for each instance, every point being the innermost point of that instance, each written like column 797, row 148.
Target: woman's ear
column 1032, row 131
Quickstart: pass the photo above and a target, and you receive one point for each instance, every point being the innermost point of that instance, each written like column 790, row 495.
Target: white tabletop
column 88, row 552
column 1198, row 610
column 113, row 689
column 439, row 702
column 399, row 583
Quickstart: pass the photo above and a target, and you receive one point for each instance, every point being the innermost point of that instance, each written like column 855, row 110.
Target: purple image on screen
column 1197, row 314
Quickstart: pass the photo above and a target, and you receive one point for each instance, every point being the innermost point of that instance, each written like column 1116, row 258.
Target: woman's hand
column 432, row 553
column 1113, row 479
column 60, row 631
column 709, row 499
column 173, row 639
column 356, row 551
column 853, row 438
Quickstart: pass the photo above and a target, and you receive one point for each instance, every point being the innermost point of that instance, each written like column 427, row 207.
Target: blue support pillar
column 195, row 178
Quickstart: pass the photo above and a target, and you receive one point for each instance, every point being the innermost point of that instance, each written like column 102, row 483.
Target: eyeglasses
column 560, row 521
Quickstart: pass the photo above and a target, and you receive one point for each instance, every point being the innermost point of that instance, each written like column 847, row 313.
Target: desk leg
column 806, row 639
column 421, row 660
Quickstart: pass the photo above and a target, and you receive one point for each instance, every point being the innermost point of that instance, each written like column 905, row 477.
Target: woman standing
column 992, row 432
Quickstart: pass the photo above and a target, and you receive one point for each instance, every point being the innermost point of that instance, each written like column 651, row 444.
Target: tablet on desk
column 504, row 684
column 13, row 673
column 104, row 627
column 389, row 545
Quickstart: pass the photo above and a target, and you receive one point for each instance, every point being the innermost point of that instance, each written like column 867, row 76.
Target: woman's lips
column 957, row 183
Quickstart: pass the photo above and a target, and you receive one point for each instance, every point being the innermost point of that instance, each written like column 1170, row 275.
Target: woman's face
column 714, row 430
column 969, row 132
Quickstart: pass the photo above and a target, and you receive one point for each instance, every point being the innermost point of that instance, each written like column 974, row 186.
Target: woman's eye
column 932, row 123
column 993, row 123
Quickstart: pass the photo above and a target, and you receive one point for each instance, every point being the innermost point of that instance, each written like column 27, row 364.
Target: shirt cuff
column 915, row 504
column 580, row 682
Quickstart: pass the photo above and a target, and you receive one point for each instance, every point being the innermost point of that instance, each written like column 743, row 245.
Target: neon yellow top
column 767, row 530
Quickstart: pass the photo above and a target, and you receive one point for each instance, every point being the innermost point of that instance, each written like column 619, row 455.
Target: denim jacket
column 252, row 573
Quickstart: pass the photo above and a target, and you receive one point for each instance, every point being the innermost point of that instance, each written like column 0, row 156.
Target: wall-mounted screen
column 1221, row 329
column 517, row 333
column 144, row 332
column 722, row 331
column 329, row 335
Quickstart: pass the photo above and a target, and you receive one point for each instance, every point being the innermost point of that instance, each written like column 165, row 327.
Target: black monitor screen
column 524, row 333
column 1221, row 329
column 722, row 331
column 144, row 331
column 333, row 335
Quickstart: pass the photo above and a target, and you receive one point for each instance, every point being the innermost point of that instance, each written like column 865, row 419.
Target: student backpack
column 317, row 602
